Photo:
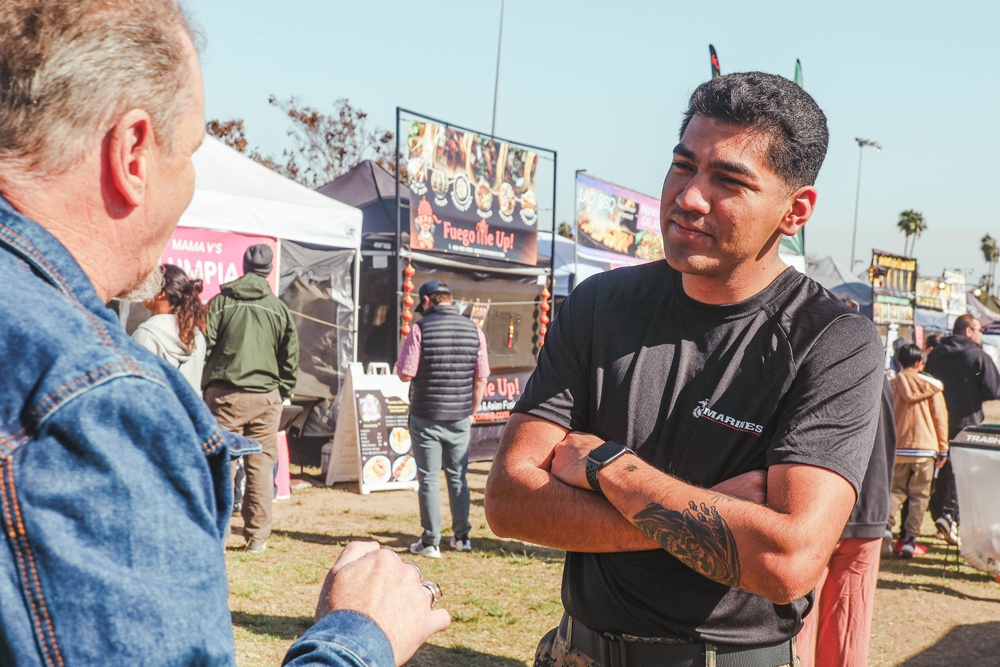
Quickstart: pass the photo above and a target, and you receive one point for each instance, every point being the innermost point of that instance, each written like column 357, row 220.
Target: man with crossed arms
column 697, row 429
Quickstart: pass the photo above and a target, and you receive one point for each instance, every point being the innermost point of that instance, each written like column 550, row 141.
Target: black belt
column 617, row 651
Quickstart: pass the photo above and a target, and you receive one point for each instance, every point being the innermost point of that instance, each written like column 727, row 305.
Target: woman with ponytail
column 175, row 331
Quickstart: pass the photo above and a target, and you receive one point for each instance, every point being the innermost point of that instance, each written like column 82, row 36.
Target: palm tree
column 912, row 224
column 991, row 253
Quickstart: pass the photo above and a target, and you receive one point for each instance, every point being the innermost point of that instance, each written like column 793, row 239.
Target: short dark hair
column 962, row 323
column 775, row 107
column 910, row 355
column 931, row 341
column 441, row 297
column 848, row 301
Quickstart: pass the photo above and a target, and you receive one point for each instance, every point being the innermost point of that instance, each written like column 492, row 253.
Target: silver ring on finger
column 420, row 574
column 434, row 589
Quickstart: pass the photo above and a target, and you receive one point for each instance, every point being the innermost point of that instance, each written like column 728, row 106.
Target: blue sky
column 605, row 85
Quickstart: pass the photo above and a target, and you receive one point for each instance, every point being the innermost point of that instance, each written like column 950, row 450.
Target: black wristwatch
column 601, row 456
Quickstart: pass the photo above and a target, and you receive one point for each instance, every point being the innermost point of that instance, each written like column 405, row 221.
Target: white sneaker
column 461, row 545
column 427, row 550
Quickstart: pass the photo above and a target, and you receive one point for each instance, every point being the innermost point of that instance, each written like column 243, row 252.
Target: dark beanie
column 257, row 259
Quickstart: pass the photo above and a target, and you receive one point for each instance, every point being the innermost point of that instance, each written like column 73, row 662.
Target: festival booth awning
column 989, row 319
column 371, row 189
column 835, row 277
column 238, row 202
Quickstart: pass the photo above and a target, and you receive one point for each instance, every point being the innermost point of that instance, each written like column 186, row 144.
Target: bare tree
column 233, row 134
column 326, row 145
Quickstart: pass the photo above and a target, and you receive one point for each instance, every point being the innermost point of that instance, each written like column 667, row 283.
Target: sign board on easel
column 371, row 444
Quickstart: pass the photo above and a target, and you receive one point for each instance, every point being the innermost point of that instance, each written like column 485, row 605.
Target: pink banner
column 215, row 257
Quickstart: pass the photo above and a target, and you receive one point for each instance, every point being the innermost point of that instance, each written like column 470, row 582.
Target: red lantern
column 543, row 316
column 406, row 315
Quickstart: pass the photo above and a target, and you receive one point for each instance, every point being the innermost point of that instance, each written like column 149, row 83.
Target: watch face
column 606, row 452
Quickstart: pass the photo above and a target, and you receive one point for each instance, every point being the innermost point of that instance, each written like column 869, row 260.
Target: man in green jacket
column 250, row 368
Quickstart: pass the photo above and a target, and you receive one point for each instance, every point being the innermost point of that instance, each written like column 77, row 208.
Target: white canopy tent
column 233, row 193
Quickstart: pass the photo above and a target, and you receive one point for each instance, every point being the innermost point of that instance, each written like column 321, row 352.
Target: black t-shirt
column 703, row 393
column 871, row 511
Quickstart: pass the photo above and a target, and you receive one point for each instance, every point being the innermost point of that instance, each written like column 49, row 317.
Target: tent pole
column 399, row 249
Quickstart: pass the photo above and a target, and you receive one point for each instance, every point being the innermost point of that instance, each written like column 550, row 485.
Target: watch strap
column 592, row 469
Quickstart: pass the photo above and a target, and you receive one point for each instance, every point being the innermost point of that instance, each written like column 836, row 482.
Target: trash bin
column 975, row 458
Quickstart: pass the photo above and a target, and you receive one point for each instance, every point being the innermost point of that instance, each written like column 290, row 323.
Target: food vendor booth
column 466, row 211
column 316, row 243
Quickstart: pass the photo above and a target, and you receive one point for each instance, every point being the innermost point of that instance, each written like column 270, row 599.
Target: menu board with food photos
column 615, row 224
column 471, row 195
column 371, row 444
column 894, row 286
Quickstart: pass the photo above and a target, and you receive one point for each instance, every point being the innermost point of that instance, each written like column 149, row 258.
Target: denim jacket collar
column 49, row 258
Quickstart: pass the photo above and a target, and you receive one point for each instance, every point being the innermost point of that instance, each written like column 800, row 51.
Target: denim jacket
column 115, row 491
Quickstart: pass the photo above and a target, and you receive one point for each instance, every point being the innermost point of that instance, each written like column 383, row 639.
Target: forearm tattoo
column 698, row 537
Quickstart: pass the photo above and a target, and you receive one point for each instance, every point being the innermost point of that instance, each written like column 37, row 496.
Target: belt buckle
column 613, row 651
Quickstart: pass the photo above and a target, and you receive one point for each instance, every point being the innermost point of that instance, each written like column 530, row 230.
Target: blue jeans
column 437, row 444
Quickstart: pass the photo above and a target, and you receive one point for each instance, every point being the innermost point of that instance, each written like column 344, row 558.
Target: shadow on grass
column 282, row 627
column 935, row 588
column 934, row 565
column 963, row 645
column 460, row 656
column 484, row 546
column 317, row 538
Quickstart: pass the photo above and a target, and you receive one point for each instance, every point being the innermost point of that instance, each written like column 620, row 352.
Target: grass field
column 505, row 594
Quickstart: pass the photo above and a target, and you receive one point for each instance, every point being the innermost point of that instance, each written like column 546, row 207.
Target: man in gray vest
column 445, row 357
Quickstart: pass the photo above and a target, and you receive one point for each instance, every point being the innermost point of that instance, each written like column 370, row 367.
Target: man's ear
column 802, row 206
column 129, row 148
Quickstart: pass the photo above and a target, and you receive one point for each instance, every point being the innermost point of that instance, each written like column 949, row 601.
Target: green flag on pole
column 797, row 243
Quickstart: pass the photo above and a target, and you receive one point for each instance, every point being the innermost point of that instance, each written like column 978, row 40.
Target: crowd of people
column 711, row 438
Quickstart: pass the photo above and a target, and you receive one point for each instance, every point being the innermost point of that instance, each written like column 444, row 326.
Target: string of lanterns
column 406, row 315
column 543, row 316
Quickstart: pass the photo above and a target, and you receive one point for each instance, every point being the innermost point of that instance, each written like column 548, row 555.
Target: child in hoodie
column 921, row 443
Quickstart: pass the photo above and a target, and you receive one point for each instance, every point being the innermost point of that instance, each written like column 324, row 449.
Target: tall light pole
column 496, row 85
column 857, row 197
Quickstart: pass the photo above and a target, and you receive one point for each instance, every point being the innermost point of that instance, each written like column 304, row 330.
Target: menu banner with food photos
column 615, row 224
column 471, row 195
column 371, row 444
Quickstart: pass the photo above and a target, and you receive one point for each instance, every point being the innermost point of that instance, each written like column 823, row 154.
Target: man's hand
column 941, row 459
column 569, row 461
column 376, row 583
column 751, row 486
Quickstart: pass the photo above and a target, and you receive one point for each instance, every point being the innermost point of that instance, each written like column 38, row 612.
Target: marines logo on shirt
column 702, row 411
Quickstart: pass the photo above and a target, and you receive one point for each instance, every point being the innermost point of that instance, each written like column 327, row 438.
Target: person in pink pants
column 837, row 630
